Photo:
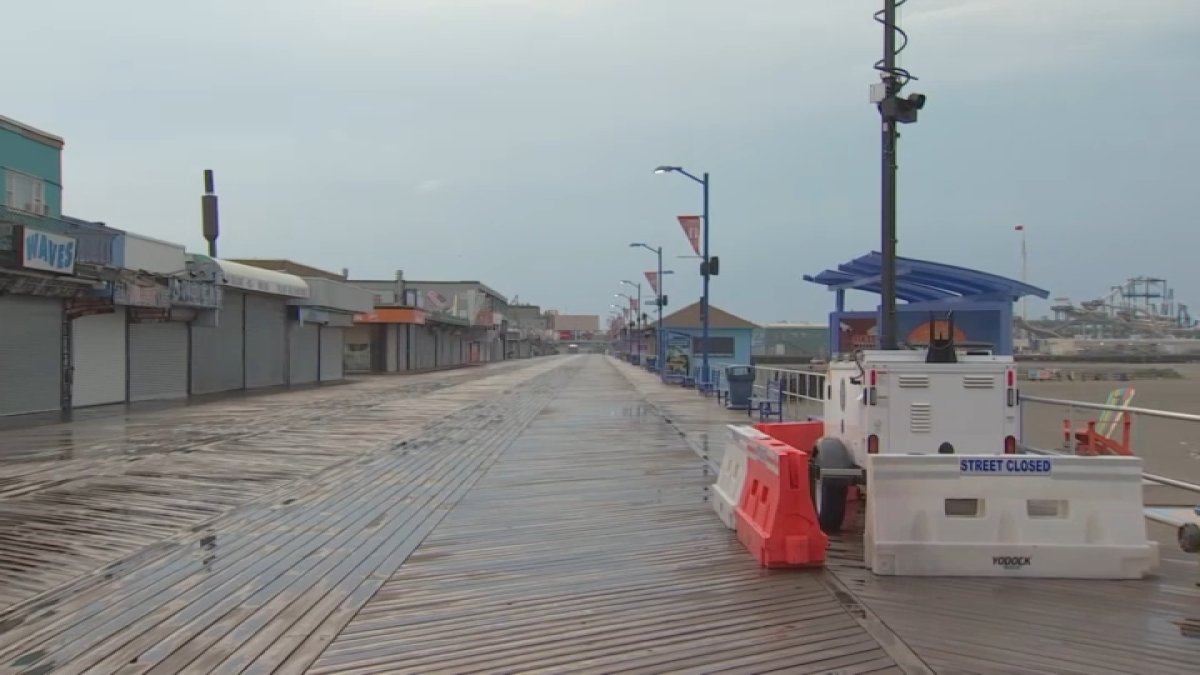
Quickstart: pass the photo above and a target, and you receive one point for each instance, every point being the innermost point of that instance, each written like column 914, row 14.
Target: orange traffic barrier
column 775, row 517
column 802, row 436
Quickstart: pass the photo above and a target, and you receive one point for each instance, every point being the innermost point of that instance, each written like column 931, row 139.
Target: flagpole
column 1024, row 276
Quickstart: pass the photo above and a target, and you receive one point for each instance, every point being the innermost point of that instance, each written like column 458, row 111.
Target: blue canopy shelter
column 981, row 302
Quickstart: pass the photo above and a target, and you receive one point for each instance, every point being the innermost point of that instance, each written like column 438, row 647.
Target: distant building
column 528, row 331
column 568, row 327
column 420, row 325
column 803, row 341
column 729, row 338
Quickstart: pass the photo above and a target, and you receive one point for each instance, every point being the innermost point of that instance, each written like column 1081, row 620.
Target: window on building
column 24, row 193
column 717, row 346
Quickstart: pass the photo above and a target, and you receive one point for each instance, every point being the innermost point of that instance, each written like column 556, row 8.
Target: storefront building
column 318, row 327
column 245, row 344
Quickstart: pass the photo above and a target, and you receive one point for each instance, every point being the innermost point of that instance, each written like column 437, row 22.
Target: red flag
column 1019, row 228
column 652, row 277
column 691, row 228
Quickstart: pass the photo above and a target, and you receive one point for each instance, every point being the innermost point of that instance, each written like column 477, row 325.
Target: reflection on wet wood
column 66, row 517
column 590, row 548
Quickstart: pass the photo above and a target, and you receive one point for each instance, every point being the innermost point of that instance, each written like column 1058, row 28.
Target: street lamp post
column 660, row 350
column 704, row 268
column 628, row 323
column 637, row 316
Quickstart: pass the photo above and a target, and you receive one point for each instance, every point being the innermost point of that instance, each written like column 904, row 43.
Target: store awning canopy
column 925, row 281
column 254, row 279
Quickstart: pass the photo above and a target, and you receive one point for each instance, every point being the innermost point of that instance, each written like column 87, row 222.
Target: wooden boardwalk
column 544, row 516
column 591, row 548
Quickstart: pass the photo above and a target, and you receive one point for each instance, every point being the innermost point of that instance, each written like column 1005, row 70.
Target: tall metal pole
column 1024, row 275
column 209, row 214
column 704, row 298
column 888, row 281
column 639, row 323
column 659, row 348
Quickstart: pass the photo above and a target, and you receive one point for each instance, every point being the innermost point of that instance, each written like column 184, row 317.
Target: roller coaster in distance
column 1141, row 307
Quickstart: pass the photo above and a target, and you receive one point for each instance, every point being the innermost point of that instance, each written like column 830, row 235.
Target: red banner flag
column 652, row 277
column 691, row 228
column 1019, row 228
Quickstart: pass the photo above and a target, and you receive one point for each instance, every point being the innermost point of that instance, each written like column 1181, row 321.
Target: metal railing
column 1048, row 427
column 803, row 391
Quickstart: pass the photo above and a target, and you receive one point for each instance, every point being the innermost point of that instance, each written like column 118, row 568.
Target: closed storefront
column 30, row 354
column 357, row 350
column 332, row 353
column 158, row 360
column 217, row 350
column 304, row 347
column 248, row 346
column 266, row 341
column 98, row 356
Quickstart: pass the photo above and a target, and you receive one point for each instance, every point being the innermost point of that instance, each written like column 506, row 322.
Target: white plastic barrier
column 728, row 489
column 1007, row 516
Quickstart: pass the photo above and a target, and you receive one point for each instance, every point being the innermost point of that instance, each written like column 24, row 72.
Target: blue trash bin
column 741, row 387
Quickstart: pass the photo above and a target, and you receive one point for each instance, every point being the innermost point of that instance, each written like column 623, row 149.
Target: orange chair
column 1097, row 437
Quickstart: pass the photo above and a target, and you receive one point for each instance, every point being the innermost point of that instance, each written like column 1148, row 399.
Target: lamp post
column 637, row 316
column 660, row 353
column 704, row 267
column 622, row 316
column 628, row 323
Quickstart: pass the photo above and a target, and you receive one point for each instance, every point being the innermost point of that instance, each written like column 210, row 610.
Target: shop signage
column 137, row 295
column 404, row 315
column 46, row 252
column 189, row 293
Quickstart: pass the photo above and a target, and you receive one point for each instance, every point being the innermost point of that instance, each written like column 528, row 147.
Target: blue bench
column 770, row 405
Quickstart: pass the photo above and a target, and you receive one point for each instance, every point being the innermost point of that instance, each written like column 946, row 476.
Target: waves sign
column 47, row 252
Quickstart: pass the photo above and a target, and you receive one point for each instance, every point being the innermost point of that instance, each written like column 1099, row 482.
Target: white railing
column 803, row 391
column 1173, row 435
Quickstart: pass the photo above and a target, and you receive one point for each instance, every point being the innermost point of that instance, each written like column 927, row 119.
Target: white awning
column 257, row 280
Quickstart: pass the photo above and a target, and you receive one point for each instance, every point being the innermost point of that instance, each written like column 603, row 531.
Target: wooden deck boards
column 590, row 547
column 263, row 584
column 75, row 497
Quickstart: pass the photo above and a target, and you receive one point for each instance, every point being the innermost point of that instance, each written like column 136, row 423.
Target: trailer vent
column 979, row 382
column 920, row 418
column 913, row 381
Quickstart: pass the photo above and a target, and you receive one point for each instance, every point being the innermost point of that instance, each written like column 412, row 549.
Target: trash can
column 741, row 386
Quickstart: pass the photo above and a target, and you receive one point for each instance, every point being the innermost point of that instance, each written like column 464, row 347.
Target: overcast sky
column 512, row 141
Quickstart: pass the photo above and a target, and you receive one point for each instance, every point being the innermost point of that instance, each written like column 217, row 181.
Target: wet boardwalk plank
column 590, row 547
column 1002, row 625
column 234, row 592
column 75, row 497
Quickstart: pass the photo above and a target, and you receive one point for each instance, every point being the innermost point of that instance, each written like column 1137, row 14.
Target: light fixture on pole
column 708, row 268
column 893, row 110
column 637, row 316
column 660, row 300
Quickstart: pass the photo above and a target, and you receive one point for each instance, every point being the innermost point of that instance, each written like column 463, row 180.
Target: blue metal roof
column 923, row 281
